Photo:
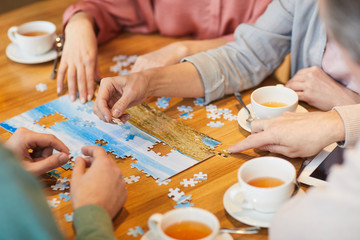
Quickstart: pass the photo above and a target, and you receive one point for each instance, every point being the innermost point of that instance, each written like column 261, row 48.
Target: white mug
column 34, row 38
column 158, row 223
column 264, row 199
column 271, row 94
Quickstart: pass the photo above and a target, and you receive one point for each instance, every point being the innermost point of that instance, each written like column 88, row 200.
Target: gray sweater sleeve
column 257, row 51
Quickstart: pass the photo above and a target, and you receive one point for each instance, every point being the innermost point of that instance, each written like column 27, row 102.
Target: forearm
column 180, row 80
column 350, row 116
column 195, row 46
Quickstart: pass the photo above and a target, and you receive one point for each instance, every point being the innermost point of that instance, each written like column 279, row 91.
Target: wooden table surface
column 18, row 94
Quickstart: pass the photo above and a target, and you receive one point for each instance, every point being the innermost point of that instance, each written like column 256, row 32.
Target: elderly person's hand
column 294, row 134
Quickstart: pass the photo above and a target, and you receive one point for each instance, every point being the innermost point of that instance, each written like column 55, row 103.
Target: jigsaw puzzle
column 72, row 123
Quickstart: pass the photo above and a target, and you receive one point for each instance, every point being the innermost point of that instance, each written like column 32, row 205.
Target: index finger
column 256, row 140
column 47, row 140
column 101, row 106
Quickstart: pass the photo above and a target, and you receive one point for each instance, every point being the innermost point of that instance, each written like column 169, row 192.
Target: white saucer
column 242, row 116
column 151, row 236
column 250, row 217
column 14, row 53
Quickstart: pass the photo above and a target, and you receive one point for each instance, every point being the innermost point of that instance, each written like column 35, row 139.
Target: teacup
column 272, row 101
column 185, row 223
column 34, row 38
column 265, row 184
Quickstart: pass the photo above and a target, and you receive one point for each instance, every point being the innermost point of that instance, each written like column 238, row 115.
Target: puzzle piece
column 184, row 108
column 175, row 194
column 60, row 186
column 187, row 115
column 135, row 231
column 67, row 166
column 68, row 217
column 101, row 142
column 199, row 102
column 54, row 173
column 229, row 116
column 190, row 182
column 211, row 108
column 213, row 115
column 163, row 102
column 131, row 179
column 41, row 87
column 164, row 182
column 200, row 176
column 223, row 153
column 215, row 124
column 212, row 143
column 130, row 137
column 184, row 199
column 65, row 196
column 223, row 110
column 65, row 179
column 53, row 203
column 182, row 205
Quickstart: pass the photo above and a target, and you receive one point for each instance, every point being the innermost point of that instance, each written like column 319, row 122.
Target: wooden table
column 18, row 95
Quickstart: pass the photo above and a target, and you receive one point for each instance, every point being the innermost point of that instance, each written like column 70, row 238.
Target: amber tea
column 274, row 104
column 34, row 33
column 266, row 182
column 188, row 230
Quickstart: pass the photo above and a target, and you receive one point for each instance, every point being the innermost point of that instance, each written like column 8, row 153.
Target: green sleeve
column 24, row 213
column 93, row 222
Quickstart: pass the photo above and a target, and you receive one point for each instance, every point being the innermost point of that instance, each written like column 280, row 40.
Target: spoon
column 58, row 47
column 242, row 230
column 239, row 98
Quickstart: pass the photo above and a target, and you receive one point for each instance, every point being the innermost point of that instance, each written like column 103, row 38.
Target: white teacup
column 177, row 220
column 265, row 184
column 277, row 99
column 34, row 38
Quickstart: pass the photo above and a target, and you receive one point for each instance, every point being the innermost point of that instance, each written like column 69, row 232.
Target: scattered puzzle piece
column 200, row 176
column 131, row 179
column 41, row 87
column 135, row 231
column 213, row 115
column 184, row 108
column 175, row 194
column 53, row 203
column 187, row 115
column 68, row 217
column 164, row 182
column 211, row 108
column 215, row 124
column 163, row 102
column 182, row 205
column 65, row 196
column 199, row 102
column 184, row 199
column 229, row 116
column 224, row 110
column 191, row 182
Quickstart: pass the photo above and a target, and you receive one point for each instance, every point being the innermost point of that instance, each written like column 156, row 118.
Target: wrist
column 82, row 19
column 336, row 126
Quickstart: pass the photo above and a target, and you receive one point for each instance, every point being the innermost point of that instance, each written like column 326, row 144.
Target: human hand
column 116, row 94
column 316, row 88
column 40, row 158
column 294, row 134
column 79, row 58
column 101, row 184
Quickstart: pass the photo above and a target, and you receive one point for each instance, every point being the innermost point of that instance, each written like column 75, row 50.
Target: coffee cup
column 272, row 101
column 265, row 184
column 33, row 38
column 184, row 223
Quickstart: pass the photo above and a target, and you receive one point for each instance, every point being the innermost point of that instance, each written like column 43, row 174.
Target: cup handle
column 11, row 33
column 153, row 222
column 234, row 193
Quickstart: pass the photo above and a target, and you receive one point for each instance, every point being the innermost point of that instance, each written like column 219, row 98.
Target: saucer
column 242, row 116
column 248, row 216
column 14, row 53
column 151, row 236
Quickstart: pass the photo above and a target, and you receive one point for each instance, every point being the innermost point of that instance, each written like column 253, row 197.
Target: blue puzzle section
column 81, row 127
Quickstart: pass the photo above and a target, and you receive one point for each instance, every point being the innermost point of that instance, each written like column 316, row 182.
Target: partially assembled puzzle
column 76, row 125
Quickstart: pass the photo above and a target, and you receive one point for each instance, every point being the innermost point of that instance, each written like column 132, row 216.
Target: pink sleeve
column 112, row 16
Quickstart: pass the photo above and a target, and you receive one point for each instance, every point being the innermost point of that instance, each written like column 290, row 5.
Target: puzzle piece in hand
column 184, row 108
column 54, row 173
column 65, row 196
column 67, row 166
column 199, row 102
column 41, row 87
column 211, row 108
column 130, row 137
column 163, row 102
column 215, row 124
column 68, row 217
column 187, row 115
column 135, row 231
column 164, row 182
column 190, row 182
column 213, row 115
column 60, row 186
column 53, row 203
column 175, row 194
column 229, row 116
column 182, row 205
column 200, row 176
column 131, row 179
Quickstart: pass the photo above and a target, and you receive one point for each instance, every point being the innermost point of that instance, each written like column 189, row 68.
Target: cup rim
column 274, row 86
column 21, row 33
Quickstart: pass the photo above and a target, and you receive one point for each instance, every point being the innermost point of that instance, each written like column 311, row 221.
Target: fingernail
column 83, row 100
column 116, row 113
column 63, row 158
column 106, row 118
column 125, row 118
column 72, row 98
column 58, row 90
column 89, row 97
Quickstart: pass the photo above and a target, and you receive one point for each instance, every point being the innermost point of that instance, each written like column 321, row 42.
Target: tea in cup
column 272, row 101
column 33, row 38
column 186, row 224
column 265, row 184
